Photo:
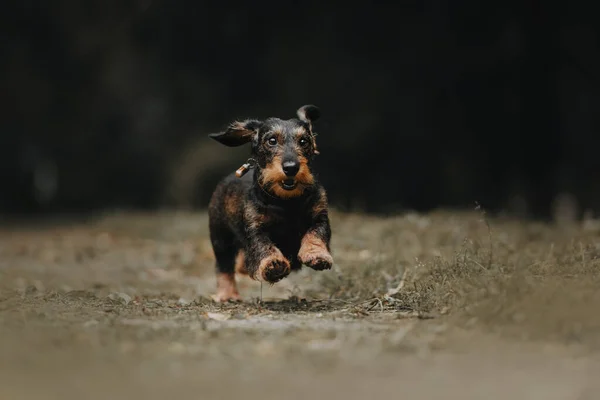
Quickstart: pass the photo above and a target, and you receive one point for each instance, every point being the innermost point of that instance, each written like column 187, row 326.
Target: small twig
column 374, row 303
column 478, row 264
column 398, row 288
column 391, row 299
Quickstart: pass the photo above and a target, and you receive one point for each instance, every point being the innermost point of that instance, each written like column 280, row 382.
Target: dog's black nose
column 291, row 168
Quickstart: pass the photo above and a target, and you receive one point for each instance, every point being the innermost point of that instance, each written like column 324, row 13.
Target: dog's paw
column 318, row 259
column 226, row 289
column 273, row 268
column 314, row 254
column 223, row 296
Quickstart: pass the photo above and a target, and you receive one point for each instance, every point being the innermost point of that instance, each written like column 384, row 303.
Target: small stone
column 120, row 297
column 218, row 316
column 183, row 302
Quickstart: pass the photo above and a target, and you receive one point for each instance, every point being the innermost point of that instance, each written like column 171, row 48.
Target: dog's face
column 283, row 150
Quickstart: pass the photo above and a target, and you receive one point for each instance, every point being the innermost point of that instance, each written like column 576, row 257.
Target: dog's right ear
column 238, row 133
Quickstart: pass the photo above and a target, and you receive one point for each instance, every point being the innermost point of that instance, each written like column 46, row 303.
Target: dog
column 271, row 216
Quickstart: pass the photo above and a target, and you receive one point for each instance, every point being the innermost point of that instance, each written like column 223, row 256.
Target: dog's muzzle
column 289, row 184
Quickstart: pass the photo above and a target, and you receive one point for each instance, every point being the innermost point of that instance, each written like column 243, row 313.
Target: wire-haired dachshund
column 270, row 217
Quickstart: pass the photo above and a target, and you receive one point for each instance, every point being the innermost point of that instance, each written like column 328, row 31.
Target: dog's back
column 226, row 208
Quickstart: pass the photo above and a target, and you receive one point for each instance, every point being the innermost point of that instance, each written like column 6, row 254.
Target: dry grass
column 523, row 279
column 121, row 303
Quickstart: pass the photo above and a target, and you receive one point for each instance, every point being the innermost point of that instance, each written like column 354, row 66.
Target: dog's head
column 283, row 150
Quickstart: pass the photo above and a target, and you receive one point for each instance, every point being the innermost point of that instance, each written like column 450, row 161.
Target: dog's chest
column 287, row 228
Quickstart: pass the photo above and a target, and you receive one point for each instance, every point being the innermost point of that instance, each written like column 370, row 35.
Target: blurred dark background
column 426, row 104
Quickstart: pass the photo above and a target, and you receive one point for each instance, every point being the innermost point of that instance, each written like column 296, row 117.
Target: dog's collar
column 241, row 171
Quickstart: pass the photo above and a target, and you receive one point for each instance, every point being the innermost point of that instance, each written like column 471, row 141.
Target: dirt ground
column 452, row 305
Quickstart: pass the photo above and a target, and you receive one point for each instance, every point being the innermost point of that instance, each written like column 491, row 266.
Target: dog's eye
column 272, row 141
column 303, row 142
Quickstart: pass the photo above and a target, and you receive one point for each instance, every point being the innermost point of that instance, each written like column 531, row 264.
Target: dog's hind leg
column 225, row 269
column 225, row 251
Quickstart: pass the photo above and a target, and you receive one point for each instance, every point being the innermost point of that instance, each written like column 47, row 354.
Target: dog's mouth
column 289, row 184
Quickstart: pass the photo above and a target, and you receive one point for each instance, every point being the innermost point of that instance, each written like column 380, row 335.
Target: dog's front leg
column 314, row 248
column 264, row 261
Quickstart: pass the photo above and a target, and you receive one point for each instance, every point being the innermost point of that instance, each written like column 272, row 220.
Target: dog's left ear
column 238, row 133
column 309, row 113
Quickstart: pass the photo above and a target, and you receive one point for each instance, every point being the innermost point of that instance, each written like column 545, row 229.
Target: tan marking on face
column 313, row 249
column 240, row 263
column 304, row 176
column 272, row 176
column 280, row 192
column 273, row 172
column 299, row 131
column 226, row 288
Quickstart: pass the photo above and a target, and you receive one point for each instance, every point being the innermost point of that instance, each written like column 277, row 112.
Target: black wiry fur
column 274, row 228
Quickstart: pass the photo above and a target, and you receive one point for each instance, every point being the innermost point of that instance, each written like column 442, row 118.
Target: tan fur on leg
column 314, row 254
column 226, row 288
